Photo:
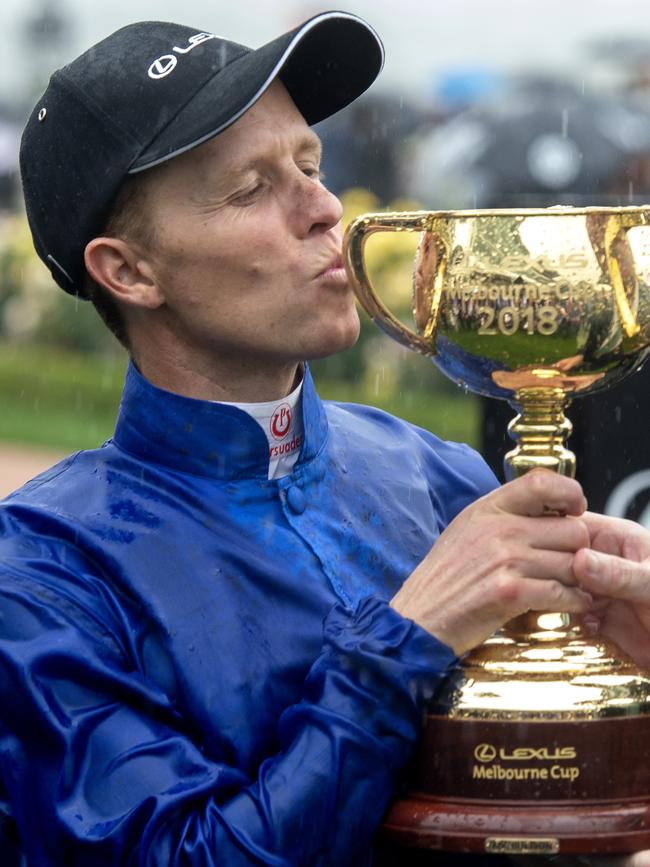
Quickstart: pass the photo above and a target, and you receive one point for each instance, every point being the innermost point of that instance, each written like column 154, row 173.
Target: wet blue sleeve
column 100, row 769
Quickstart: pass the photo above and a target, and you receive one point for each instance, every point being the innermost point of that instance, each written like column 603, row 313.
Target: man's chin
column 344, row 339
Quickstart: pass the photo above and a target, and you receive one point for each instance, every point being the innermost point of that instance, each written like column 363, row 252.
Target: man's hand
column 617, row 572
column 507, row 553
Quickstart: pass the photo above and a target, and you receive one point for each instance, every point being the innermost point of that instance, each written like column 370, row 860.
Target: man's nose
column 317, row 210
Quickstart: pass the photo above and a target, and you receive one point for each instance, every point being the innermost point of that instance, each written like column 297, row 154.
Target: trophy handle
column 609, row 237
column 356, row 236
column 623, row 273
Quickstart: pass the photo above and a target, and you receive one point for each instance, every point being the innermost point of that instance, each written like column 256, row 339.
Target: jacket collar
column 201, row 437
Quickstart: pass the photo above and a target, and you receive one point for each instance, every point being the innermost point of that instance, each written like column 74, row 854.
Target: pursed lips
column 334, row 265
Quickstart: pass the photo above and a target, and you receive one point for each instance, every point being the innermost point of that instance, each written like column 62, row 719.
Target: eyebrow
column 310, row 141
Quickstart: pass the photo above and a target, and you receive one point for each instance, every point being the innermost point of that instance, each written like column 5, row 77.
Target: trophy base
column 537, row 744
column 423, row 822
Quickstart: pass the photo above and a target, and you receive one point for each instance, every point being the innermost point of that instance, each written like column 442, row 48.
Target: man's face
column 246, row 244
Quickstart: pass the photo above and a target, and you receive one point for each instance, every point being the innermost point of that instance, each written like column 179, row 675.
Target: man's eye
column 313, row 172
column 249, row 195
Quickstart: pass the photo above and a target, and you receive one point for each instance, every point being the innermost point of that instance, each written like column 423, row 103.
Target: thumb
column 615, row 577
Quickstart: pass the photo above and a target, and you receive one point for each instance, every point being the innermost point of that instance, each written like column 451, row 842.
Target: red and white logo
column 281, row 421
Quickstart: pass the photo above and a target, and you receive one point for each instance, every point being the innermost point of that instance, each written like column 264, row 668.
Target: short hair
column 128, row 219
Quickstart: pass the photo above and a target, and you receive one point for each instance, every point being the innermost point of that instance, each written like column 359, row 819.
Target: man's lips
column 334, row 271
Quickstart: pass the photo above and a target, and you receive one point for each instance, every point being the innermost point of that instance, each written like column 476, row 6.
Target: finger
column 608, row 575
column 592, row 620
column 606, row 542
column 548, row 565
column 553, row 534
column 636, row 545
column 550, row 595
column 540, row 492
column 600, row 605
column 623, row 537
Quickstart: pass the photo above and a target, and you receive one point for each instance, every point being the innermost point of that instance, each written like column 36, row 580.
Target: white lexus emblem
column 167, row 63
column 163, row 66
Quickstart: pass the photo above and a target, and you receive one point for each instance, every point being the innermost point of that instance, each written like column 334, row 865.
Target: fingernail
column 591, row 624
column 593, row 564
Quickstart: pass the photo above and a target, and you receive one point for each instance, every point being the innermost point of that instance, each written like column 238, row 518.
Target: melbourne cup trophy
column 539, row 741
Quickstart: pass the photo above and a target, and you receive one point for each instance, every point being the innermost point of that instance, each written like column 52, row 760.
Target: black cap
column 153, row 90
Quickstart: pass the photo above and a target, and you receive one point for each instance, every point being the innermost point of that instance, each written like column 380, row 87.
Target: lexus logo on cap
column 281, row 421
column 162, row 66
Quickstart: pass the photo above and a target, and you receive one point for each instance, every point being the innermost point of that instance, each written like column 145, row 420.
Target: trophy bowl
column 539, row 741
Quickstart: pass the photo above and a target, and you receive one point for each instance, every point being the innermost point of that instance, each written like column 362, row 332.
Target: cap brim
column 325, row 64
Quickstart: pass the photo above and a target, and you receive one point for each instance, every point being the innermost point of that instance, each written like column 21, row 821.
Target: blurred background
column 479, row 105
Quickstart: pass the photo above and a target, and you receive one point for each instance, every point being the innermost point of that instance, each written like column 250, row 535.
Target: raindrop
column 630, row 191
column 565, row 122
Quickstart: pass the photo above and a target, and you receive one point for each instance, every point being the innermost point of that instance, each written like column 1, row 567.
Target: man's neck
column 235, row 380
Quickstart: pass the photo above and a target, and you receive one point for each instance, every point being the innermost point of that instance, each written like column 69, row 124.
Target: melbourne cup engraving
column 540, row 741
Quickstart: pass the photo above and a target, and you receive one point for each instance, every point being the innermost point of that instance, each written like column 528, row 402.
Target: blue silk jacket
column 198, row 666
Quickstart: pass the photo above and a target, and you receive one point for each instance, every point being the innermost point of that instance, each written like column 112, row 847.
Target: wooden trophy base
column 534, row 748
column 541, row 788
column 515, row 829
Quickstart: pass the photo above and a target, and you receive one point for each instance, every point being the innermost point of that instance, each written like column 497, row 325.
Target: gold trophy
column 539, row 742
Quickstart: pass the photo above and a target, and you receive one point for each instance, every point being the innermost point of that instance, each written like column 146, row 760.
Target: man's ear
column 118, row 267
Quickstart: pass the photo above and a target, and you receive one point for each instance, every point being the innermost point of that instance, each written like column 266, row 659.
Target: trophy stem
column 540, row 432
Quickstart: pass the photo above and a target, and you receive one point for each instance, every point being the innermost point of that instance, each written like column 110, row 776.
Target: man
column 210, row 652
